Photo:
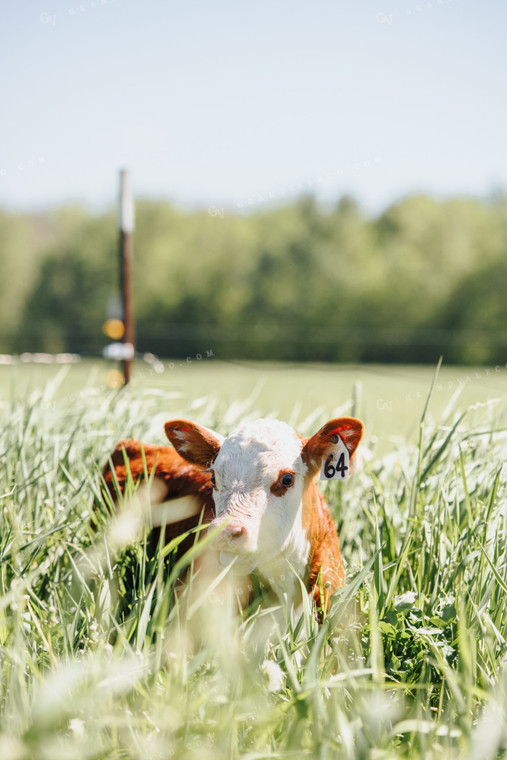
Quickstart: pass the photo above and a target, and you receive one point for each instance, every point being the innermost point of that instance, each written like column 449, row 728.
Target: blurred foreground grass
column 100, row 659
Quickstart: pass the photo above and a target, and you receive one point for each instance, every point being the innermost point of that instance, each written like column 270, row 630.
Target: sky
column 236, row 104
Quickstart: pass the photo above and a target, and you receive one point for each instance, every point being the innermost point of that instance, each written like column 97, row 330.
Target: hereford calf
column 258, row 485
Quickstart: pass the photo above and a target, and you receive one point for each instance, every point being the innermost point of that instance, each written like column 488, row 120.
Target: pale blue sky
column 221, row 102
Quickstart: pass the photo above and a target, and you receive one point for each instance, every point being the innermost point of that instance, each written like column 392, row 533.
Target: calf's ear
column 193, row 442
column 350, row 431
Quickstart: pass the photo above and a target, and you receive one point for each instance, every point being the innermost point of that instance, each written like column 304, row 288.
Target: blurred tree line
column 298, row 283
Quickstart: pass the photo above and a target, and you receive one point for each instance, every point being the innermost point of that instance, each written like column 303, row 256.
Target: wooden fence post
column 126, row 223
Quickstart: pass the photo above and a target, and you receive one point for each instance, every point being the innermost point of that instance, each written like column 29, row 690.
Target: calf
column 258, row 486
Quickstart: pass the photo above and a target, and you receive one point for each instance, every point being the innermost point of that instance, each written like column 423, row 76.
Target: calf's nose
column 232, row 535
column 235, row 532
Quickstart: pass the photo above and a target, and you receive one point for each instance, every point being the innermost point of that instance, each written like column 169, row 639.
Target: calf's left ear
column 350, row 431
column 193, row 442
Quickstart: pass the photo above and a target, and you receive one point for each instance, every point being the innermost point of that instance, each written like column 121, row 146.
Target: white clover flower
column 77, row 726
column 274, row 673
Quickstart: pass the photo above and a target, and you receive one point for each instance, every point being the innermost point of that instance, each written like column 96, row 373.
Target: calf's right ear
column 193, row 442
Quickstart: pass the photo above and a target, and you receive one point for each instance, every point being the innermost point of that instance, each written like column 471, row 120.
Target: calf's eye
column 213, row 479
column 284, row 481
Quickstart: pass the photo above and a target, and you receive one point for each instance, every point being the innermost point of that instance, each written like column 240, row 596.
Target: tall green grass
column 101, row 658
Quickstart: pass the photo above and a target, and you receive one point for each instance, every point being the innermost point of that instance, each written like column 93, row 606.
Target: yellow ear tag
column 335, row 462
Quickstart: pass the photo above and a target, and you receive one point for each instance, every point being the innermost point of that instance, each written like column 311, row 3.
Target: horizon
column 323, row 205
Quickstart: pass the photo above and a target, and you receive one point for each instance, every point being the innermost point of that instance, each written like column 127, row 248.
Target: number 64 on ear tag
column 335, row 462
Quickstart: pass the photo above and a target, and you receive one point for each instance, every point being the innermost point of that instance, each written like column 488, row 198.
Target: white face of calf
column 259, row 474
column 258, row 478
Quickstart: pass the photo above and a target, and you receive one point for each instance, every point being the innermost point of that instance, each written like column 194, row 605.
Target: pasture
column 101, row 659
column 389, row 398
